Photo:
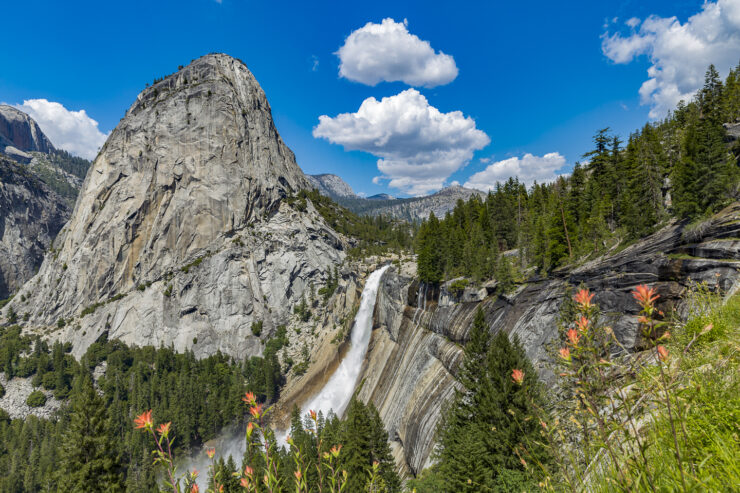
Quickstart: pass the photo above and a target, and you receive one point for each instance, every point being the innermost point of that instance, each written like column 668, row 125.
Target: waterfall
column 335, row 395
column 337, row 392
column 421, row 303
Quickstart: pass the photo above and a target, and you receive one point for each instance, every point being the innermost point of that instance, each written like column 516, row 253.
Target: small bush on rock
column 36, row 399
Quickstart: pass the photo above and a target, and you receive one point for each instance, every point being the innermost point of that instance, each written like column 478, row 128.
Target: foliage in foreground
column 666, row 420
column 329, row 455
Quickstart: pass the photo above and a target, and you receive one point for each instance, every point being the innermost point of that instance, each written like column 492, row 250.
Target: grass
column 704, row 392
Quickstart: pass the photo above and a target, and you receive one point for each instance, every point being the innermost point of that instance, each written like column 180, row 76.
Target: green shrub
column 2, row 391
column 458, row 286
column 36, row 399
column 257, row 328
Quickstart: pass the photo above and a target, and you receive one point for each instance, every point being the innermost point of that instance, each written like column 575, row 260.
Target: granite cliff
column 180, row 235
column 20, row 134
column 31, row 215
column 419, row 333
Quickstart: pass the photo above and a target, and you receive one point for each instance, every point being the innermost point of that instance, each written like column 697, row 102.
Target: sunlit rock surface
column 179, row 236
column 417, row 344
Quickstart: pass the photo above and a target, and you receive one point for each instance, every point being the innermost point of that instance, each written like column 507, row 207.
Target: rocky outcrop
column 20, row 132
column 416, row 348
column 331, row 185
column 31, row 215
column 17, row 391
column 180, row 235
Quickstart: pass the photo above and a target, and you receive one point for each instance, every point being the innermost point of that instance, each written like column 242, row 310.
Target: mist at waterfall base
column 334, row 395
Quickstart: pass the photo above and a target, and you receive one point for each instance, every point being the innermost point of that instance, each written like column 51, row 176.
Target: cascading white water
column 336, row 393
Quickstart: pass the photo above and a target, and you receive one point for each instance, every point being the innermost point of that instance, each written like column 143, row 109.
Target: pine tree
column 88, row 458
column 490, row 420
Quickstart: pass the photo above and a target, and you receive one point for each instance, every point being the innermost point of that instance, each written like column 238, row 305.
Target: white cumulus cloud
column 388, row 52
column 679, row 53
column 528, row 169
column 73, row 131
column 419, row 147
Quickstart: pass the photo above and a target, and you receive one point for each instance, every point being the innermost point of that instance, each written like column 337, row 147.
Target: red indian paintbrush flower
column 565, row 353
column 583, row 298
column 248, row 471
column 335, row 450
column 256, row 410
column 297, row 475
column 195, row 488
column 249, row 398
column 312, row 413
column 517, row 376
column 573, row 336
column 583, row 323
column 662, row 353
column 645, row 296
column 244, row 483
column 164, row 429
column 210, row 452
column 144, row 420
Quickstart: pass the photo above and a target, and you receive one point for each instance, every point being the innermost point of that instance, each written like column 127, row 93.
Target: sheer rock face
column 416, row 350
column 31, row 215
column 21, row 132
column 179, row 235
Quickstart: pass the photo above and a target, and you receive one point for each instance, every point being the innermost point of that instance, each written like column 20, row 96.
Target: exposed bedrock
column 415, row 351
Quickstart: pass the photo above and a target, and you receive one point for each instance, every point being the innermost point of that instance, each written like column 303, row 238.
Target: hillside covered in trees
column 681, row 167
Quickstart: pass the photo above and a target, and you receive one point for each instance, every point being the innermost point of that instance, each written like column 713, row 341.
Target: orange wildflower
column 313, row 414
column 573, row 336
column 164, row 428
column 244, row 483
column 250, row 429
column 249, row 398
column 517, row 376
column 256, row 410
column 565, row 353
column 195, row 488
column 298, row 475
column 583, row 323
column 144, row 420
column 645, row 296
column 583, row 298
column 248, row 471
column 662, row 353
column 210, row 452
column 335, row 450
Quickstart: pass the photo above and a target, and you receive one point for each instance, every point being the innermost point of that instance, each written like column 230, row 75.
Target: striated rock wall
column 417, row 344
column 31, row 215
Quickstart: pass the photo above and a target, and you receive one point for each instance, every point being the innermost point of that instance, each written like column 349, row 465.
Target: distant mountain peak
column 19, row 133
column 331, row 186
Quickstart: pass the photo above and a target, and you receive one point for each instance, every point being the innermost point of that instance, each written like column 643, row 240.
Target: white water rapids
column 334, row 395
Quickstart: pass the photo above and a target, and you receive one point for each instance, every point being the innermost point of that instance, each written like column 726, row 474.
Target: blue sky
column 535, row 77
